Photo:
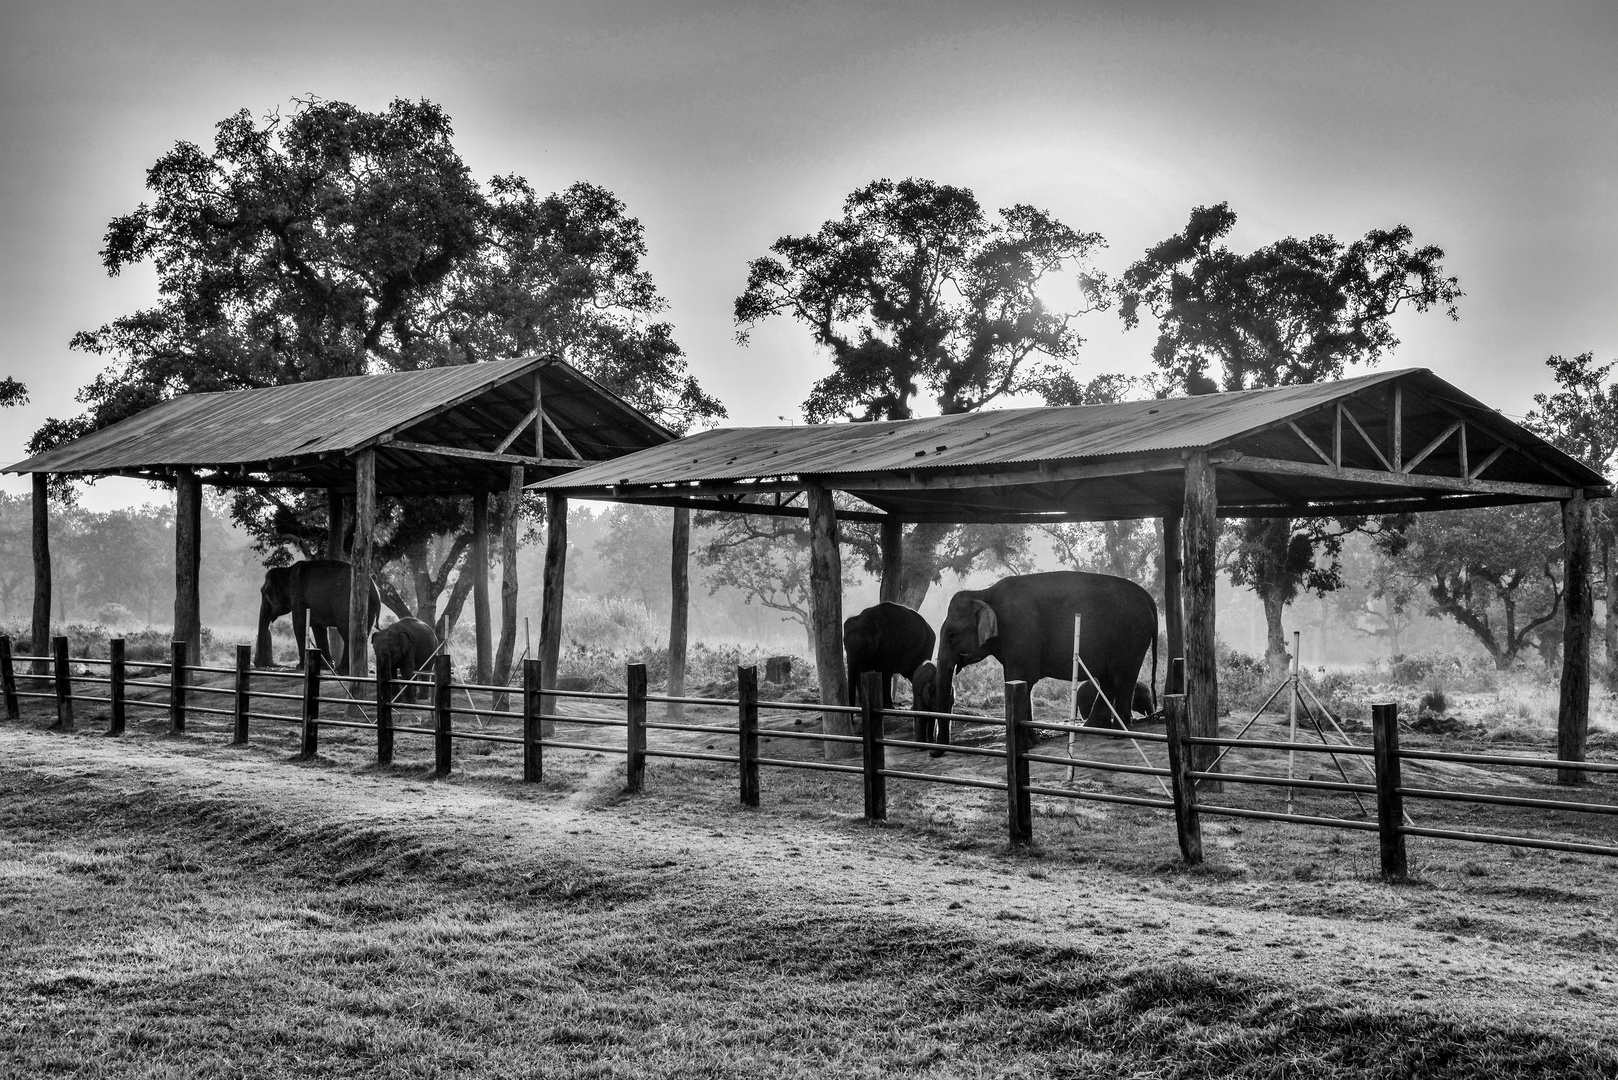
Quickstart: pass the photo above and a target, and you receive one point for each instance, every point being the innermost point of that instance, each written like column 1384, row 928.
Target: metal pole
column 1292, row 710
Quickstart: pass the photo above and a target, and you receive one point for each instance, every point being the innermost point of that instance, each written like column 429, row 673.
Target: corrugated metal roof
column 307, row 420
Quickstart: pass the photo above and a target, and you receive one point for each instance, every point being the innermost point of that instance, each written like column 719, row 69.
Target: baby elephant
column 1095, row 711
column 402, row 649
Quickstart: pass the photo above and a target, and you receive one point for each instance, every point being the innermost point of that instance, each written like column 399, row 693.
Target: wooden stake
column 244, row 674
column 63, row 670
column 443, row 719
column 826, row 617
column 635, row 714
column 1389, row 801
column 312, row 661
column 384, row 714
column 177, row 651
column 8, row 680
column 1573, row 708
column 533, row 744
column 747, row 729
column 1201, row 673
column 115, row 687
column 876, row 785
column 1187, row 824
column 1019, row 807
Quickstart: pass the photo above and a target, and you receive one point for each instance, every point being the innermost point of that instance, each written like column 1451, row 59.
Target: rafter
column 1375, row 449
column 1434, row 445
column 1310, row 443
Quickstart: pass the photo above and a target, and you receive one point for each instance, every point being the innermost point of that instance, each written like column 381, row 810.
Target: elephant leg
column 300, row 627
column 887, row 690
column 942, row 731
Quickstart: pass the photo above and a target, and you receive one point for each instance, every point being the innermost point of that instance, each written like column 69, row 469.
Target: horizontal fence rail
column 445, row 712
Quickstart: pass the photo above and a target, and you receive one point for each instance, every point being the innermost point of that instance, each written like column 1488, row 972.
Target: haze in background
column 1489, row 128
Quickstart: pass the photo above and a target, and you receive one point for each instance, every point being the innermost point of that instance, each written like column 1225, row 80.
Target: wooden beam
column 550, row 616
column 1337, row 435
column 679, row 606
column 558, row 433
column 1463, row 452
column 1573, row 708
column 484, row 455
column 1375, row 449
column 1427, row 450
column 539, row 416
column 1486, row 462
column 719, row 506
column 1399, row 480
column 188, row 563
column 356, row 660
column 1310, row 443
column 1201, row 537
column 1396, row 428
column 477, row 564
column 892, row 541
column 1173, row 614
column 826, row 618
column 42, row 572
column 522, row 425
column 335, row 528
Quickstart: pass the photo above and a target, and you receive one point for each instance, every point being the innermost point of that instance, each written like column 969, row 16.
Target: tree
column 1495, row 571
column 333, row 241
column 12, row 393
column 1295, row 311
column 915, row 292
column 1581, row 419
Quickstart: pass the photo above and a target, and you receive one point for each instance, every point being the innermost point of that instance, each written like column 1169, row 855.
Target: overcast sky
column 1489, row 128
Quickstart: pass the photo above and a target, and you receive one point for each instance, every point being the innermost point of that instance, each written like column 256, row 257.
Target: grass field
column 176, row 907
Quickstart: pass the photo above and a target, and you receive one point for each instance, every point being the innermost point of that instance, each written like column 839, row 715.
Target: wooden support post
column 510, row 517
column 876, row 785
column 336, row 524
column 1396, row 428
column 1187, row 825
column 42, row 571
column 360, row 616
column 188, row 562
column 635, row 715
column 1019, row 808
column 533, row 745
column 893, row 534
column 1573, row 710
column 177, row 651
column 477, row 563
column 384, row 714
column 826, row 617
column 62, row 668
column 679, row 607
column 1201, row 537
column 312, row 661
column 244, row 675
column 747, row 732
column 443, row 745
column 1173, row 611
column 550, row 616
column 116, row 673
column 8, row 680
column 1389, row 801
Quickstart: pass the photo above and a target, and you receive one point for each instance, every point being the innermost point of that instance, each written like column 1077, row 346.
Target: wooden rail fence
column 538, row 732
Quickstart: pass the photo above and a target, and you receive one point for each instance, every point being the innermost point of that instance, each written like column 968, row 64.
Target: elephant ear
column 988, row 624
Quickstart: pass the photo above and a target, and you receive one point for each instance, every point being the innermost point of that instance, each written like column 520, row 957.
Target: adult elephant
column 1026, row 622
column 313, row 592
column 402, row 648
column 1096, row 712
column 888, row 638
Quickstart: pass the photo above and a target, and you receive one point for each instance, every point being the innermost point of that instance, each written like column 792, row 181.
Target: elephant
column 888, row 638
column 924, row 698
column 1142, row 704
column 312, row 592
column 1026, row 622
column 402, row 649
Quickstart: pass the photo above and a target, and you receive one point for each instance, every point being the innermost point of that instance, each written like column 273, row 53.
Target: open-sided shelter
column 470, row 429
column 1388, row 442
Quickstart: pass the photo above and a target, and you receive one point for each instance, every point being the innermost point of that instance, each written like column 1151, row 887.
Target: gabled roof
column 299, row 434
column 1124, row 459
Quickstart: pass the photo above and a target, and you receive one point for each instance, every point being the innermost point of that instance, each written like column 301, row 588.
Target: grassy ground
column 176, row 907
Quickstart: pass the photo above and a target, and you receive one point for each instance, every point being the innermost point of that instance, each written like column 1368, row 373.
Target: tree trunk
column 1573, row 709
column 42, row 572
column 1610, row 630
column 1275, row 635
column 510, row 514
column 356, row 662
column 188, row 563
column 679, row 606
column 1173, row 611
column 1201, row 533
column 826, row 615
column 550, row 615
column 920, row 563
column 478, row 566
column 892, row 560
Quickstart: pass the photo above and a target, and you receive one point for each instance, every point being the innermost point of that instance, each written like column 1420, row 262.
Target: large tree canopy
column 333, row 241
column 1295, row 311
column 915, row 292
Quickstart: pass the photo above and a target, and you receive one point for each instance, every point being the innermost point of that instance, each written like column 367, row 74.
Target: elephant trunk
column 262, row 655
column 854, row 674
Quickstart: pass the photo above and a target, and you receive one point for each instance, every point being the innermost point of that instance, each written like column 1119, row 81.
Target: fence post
column 1186, row 822
column 1176, row 676
column 876, row 785
column 63, row 671
column 1389, row 800
column 384, row 714
column 1019, row 810
column 635, row 710
column 747, row 732
column 244, row 674
column 177, row 688
column 312, row 659
column 533, row 723
column 115, row 684
column 442, row 719
column 8, row 679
